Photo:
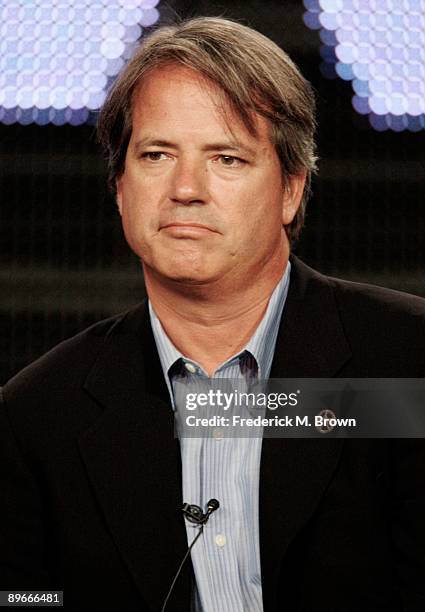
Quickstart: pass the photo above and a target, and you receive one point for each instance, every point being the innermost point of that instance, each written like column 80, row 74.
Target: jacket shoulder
column 382, row 326
column 382, row 329
column 68, row 362
column 377, row 302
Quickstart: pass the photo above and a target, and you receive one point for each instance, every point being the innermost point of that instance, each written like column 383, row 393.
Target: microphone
column 193, row 514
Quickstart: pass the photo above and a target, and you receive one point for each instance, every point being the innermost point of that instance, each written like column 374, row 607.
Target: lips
column 187, row 224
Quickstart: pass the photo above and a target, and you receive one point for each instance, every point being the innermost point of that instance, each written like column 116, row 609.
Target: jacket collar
column 295, row 472
column 133, row 460
column 311, row 341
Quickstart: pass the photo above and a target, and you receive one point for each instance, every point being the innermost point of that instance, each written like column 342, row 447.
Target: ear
column 118, row 184
column 292, row 195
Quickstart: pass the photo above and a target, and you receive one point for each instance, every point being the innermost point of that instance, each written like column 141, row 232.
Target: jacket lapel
column 295, row 472
column 133, row 460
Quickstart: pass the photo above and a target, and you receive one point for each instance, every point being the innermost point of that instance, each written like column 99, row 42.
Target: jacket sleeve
column 22, row 530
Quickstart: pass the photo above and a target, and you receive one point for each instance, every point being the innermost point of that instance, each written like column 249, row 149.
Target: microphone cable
column 193, row 514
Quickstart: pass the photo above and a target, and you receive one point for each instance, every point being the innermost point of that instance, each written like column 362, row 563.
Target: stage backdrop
column 64, row 262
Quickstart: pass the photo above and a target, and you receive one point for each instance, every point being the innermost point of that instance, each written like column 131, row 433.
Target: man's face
column 199, row 201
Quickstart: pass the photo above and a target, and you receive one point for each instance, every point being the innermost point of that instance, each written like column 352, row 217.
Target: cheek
column 135, row 205
column 142, row 199
column 261, row 224
column 135, row 223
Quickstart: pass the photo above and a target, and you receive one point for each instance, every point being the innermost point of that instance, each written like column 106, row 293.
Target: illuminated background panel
column 378, row 45
column 64, row 262
column 57, row 59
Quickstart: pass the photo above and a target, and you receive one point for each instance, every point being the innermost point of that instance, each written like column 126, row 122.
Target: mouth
column 187, row 227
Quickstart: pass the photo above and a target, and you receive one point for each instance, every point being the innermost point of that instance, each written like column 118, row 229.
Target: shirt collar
column 261, row 344
column 263, row 341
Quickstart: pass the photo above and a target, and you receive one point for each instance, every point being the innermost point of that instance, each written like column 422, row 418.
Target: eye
column 154, row 156
column 230, row 161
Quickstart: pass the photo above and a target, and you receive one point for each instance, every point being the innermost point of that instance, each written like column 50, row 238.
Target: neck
column 209, row 323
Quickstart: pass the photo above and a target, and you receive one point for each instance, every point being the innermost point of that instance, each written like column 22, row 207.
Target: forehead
column 182, row 97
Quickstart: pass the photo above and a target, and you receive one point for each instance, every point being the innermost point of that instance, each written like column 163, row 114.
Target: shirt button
column 220, row 540
column 190, row 368
column 217, row 434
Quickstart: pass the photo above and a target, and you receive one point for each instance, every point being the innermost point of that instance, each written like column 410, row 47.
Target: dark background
column 65, row 264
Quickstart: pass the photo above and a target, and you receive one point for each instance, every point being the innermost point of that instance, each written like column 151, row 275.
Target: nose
column 188, row 183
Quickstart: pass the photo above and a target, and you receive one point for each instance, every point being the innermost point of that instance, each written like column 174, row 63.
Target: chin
column 188, row 277
column 187, row 268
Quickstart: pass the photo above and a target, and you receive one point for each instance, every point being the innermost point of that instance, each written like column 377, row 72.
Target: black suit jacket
column 90, row 472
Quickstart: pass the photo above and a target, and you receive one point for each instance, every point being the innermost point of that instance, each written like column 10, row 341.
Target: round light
column 57, row 58
column 379, row 45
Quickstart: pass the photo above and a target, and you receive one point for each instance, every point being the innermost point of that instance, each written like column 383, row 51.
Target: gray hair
column 255, row 75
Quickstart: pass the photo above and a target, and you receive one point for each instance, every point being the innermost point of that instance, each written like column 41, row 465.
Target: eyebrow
column 214, row 146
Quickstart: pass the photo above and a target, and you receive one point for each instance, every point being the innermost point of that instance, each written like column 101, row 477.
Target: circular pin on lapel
column 325, row 421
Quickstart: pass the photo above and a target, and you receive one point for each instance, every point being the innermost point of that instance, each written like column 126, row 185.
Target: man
column 209, row 134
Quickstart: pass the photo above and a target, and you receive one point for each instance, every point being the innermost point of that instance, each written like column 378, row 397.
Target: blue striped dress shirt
column 226, row 559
